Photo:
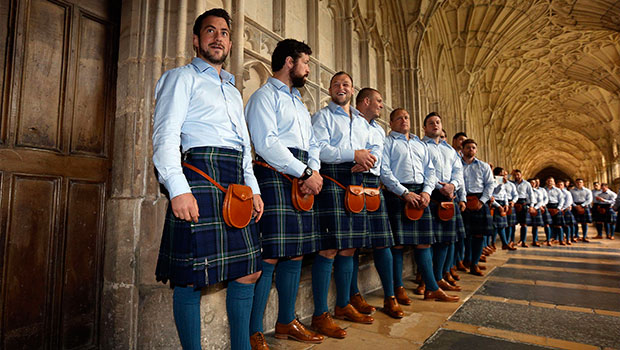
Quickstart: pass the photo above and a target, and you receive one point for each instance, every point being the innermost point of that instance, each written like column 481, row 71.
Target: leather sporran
column 412, row 213
column 553, row 211
column 354, row 198
column 445, row 211
column 472, row 203
column 373, row 198
column 518, row 207
column 580, row 210
column 301, row 202
column 238, row 206
column 602, row 210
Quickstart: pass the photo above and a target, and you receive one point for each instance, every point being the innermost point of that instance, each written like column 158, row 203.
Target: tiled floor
column 533, row 298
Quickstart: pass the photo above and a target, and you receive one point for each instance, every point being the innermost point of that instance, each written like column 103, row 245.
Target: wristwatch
column 306, row 174
column 405, row 193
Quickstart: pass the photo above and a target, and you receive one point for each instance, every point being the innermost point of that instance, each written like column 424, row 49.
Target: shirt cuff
column 314, row 165
column 484, row 199
column 251, row 181
column 177, row 185
column 428, row 189
column 297, row 168
column 348, row 155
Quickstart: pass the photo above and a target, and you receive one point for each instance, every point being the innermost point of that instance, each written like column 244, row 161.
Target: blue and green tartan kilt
column 378, row 224
column 405, row 231
column 285, row 231
column 460, row 225
column 586, row 217
column 523, row 217
column 498, row 220
column 444, row 231
column 512, row 218
column 547, row 220
column 556, row 220
column 569, row 219
column 610, row 215
column 538, row 219
column 209, row 251
column 340, row 229
column 479, row 222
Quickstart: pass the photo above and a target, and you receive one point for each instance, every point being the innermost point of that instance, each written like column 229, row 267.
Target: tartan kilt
column 537, row 220
column 405, row 231
column 523, row 217
column 512, row 218
column 479, row 222
column 209, row 251
column 610, row 216
column 378, row 222
column 569, row 219
column 583, row 218
column 498, row 220
column 557, row 220
column 285, row 231
column 340, row 229
column 460, row 225
column 444, row 231
column 547, row 217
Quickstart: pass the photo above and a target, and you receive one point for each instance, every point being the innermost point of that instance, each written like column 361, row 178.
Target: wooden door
column 57, row 100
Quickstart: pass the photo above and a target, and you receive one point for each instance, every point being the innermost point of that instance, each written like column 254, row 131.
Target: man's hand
column 447, row 189
column 570, row 207
column 502, row 210
column 542, row 210
column 511, row 204
column 462, row 206
column 312, row 185
column 425, row 198
column 479, row 205
column 532, row 210
column 599, row 199
column 412, row 198
column 185, row 207
column 364, row 158
column 358, row 168
column 258, row 207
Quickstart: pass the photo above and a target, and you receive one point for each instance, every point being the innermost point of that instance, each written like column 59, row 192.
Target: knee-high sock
column 261, row 295
column 186, row 310
column 467, row 256
column 476, row 250
column 397, row 261
column 512, row 233
column 440, row 250
column 502, row 235
column 607, row 229
column 321, row 276
column 523, row 235
column 534, row 234
column 425, row 265
column 287, row 284
column 547, row 233
column 576, row 230
column 238, row 305
column 558, row 233
column 599, row 228
column 459, row 249
column 584, row 229
column 356, row 266
column 385, row 268
column 343, row 270
column 449, row 258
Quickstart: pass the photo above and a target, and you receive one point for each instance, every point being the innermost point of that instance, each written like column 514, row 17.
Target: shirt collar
column 398, row 135
column 427, row 139
column 278, row 84
column 336, row 109
column 204, row 66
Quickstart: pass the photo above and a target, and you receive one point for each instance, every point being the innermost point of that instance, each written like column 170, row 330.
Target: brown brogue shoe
column 475, row 270
column 535, row 244
column 401, row 295
column 447, row 286
column 482, row 267
column 258, row 342
column 524, row 245
column 419, row 290
column 418, row 278
column 483, row 258
column 325, row 325
column 460, row 266
column 448, row 277
column 548, row 244
column 585, row 240
column 391, row 308
column 455, row 276
column 350, row 313
column 597, row 237
column 297, row 331
column 440, row 295
column 360, row 304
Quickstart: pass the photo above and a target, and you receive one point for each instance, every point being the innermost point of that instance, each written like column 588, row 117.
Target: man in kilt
column 554, row 206
column 566, row 212
column 511, row 218
column 596, row 217
column 199, row 110
column 582, row 196
column 286, row 148
column 370, row 103
column 523, row 206
column 343, row 137
column 449, row 173
column 459, row 245
column 501, row 205
column 408, row 173
column 538, row 201
column 544, row 212
column 606, row 216
column 479, row 185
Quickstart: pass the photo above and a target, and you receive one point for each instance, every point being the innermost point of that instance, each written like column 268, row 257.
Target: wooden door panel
column 5, row 23
column 28, row 267
column 44, row 73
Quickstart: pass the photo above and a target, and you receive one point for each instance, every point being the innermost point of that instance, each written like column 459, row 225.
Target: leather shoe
column 611, row 237
column 448, row 278
column 524, row 245
column 460, row 266
column 454, row 274
column 360, row 304
column 440, row 295
column 568, row 242
column 475, row 270
column 597, row 237
column 483, row 258
column 585, row 240
column 535, row 244
column 548, row 244
column 446, row 286
column 258, row 342
column 419, row 290
column 325, row 324
column 562, row 243
column 297, row 331
column 482, row 267
column 401, row 295
column 391, row 308
column 349, row 313
column 418, row 278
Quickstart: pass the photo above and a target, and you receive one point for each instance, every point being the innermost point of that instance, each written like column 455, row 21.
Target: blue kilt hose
column 285, row 231
column 512, row 217
column 498, row 220
column 547, row 217
column 584, row 218
column 478, row 222
column 405, row 231
column 444, row 231
column 569, row 220
column 209, row 251
column 558, row 219
column 538, row 219
column 523, row 216
column 340, row 229
column 378, row 224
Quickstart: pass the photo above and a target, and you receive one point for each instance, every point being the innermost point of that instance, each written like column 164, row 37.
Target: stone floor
column 533, row 298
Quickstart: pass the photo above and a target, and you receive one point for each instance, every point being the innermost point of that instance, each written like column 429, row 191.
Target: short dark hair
column 595, row 183
column 431, row 114
column 497, row 171
column 604, row 184
column 458, row 134
column 516, row 171
column 579, row 179
column 467, row 142
column 215, row 12
column 365, row 92
column 393, row 114
column 339, row 74
column 288, row 48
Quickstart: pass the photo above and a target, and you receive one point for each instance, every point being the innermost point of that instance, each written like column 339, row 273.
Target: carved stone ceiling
column 543, row 76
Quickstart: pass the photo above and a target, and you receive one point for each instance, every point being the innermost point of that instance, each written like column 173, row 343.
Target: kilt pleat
column 460, row 225
column 478, row 222
column 547, row 217
column 444, row 231
column 537, row 220
column 512, row 218
column 523, row 217
column 610, row 216
column 284, row 230
column 558, row 219
column 209, row 251
column 586, row 217
column 569, row 219
column 405, row 231
column 339, row 228
column 498, row 220
column 378, row 224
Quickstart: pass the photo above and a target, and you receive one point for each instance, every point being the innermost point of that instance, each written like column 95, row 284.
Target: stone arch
column 255, row 75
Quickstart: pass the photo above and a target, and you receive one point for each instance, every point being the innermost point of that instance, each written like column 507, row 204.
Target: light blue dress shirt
column 555, row 196
column 278, row 120
column 376, row 138
column 500, row 194
column 511, row 189
column 448, row 165
column 583, row 196
column 609, row 197
column 340, row 135
column 478, row 179
column 526, row 191
column 568, row 198
column 406, row 162
column 196, row 107
column 539, row 200
column 543, row 194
